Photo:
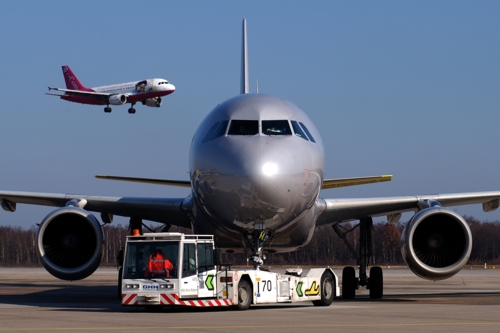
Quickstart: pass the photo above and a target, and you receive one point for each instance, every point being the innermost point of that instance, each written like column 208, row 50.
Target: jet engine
column 117, row 99
column 69, row 242
column 436, row 243
column 152, row 102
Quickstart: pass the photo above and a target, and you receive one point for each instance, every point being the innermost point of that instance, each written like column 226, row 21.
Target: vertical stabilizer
column 72, row 81
column 244, row 87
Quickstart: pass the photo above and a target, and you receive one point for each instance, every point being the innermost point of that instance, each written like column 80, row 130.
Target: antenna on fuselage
column 244, row 87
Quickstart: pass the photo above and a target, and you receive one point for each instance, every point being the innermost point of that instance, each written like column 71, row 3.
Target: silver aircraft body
column 256, row 168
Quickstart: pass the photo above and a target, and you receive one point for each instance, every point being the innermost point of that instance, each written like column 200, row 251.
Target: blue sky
column 395, row 87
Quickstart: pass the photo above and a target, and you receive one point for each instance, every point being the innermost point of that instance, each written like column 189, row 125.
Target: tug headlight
column 132, row 286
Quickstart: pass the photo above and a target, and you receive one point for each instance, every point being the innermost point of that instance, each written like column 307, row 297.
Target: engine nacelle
column 152, row 102
column 436, row 243
column 117, row 99
column 69, row 242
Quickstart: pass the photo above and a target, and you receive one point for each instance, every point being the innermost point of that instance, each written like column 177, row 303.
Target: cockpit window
column 220, row 131
column 307, row 132
column 298, row 131
column 210, row 132
column 276, row 127
column 244, row 127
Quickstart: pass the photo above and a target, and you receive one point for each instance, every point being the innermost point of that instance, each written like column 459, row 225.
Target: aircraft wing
column 163, row 210
column 97, row 95
column 344, row 210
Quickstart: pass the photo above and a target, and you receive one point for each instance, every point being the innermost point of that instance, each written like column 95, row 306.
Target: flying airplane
column 256, row 168
column 149, row 92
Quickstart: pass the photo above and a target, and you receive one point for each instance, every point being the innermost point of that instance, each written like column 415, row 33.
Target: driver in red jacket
column 158, row 265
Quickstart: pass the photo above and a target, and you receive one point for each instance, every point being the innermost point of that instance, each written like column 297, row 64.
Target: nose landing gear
column 257, row 239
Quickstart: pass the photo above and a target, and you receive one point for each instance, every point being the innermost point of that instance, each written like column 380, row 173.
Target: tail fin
column 244, row 87
column 72, row 81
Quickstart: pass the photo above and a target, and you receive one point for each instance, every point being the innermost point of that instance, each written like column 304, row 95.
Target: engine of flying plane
column 256, row 164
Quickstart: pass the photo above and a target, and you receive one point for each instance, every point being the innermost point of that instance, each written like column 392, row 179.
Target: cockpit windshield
column 276, row 127
column 307, row 132
column 298, row 131
column 151, row 260
column 244, row 127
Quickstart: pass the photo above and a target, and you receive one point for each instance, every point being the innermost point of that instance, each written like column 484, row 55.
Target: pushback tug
column 199, row 279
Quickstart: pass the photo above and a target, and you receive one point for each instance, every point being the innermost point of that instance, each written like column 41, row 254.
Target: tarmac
column 31, row 300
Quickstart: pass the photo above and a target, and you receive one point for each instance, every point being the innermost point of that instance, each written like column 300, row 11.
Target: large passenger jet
column 149, row 92
column 256, row 168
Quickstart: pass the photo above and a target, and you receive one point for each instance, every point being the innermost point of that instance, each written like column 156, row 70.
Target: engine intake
column 69, row 242
column 152, row 102
column 436, row 243
column 117, row 99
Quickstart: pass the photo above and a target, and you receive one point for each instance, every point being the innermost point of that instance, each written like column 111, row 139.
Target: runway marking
column 311, row 308
column 259, row 327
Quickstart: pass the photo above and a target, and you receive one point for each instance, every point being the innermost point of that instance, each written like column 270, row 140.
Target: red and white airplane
column 149, row 92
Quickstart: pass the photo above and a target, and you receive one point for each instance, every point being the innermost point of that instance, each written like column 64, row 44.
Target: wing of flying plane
column 93, row 94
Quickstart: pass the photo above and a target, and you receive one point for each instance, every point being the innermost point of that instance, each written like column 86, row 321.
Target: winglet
column 244, row 87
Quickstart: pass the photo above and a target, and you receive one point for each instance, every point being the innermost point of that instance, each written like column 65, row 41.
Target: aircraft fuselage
column 256, row 163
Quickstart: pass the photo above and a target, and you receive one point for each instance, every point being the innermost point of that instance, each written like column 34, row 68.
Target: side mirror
column 119, row 258
column 218, row 257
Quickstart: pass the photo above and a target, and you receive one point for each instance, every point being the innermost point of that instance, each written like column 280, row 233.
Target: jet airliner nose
column 170, row 86
column 264, row 178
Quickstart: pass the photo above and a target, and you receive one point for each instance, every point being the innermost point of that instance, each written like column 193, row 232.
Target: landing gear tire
column 376, row 282
column 348, row 282
column 244, row 295
column 131, row 110
column 327, row 290
column 107, row 109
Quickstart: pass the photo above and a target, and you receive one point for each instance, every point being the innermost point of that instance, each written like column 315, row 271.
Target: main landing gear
column 131, row 110
column 375, row 282
column 107, row 109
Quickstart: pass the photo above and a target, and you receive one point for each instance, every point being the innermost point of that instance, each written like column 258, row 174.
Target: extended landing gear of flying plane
column 131, row 110
column 375, row 282
column 107, row 109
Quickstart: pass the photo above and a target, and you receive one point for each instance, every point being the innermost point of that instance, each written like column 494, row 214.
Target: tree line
column 18, row 246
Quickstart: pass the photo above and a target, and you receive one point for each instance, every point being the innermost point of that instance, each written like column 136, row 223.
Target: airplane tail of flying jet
column 72, row 81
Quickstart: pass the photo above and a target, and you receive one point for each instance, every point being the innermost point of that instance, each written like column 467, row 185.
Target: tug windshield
column 151, row 260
